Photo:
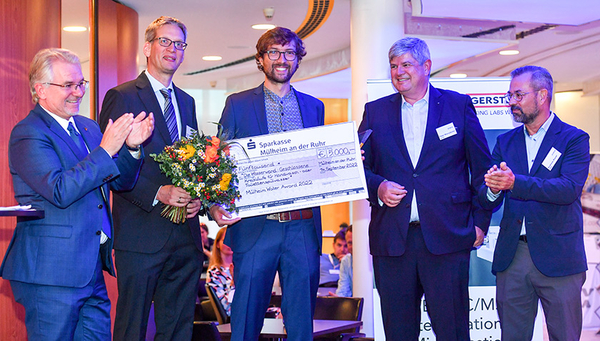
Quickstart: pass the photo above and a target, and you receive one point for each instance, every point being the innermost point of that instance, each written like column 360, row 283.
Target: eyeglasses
column 518, row 96
column 166, row 42
column 287, row 55
column 72, row 86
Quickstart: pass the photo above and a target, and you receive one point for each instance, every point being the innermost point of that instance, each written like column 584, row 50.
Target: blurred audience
column 220, row 270
column 207, row 243
column 344, row 288
column 330, row 263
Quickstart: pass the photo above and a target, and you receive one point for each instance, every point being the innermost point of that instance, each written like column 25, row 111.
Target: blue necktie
column 169, row 114
column 78, row 139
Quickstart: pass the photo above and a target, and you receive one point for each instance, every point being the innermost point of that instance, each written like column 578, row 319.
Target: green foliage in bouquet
column 202, row 166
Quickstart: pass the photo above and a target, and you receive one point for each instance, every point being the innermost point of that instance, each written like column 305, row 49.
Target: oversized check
column 299, row 169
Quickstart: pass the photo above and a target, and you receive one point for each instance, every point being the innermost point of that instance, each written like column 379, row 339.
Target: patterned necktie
column 169, row 114
column 77, row 138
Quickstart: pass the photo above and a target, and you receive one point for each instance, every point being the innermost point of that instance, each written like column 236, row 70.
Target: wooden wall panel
column 27, row 27
column 116, row 58
column 128, row 44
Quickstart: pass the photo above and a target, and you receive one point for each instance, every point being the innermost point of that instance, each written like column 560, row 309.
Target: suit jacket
column 51, row 174
column 443, row 178
column 549, row 199
column 138, row 224
column 244, row 116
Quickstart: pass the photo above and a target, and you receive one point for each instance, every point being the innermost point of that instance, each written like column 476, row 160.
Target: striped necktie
column 169, row 114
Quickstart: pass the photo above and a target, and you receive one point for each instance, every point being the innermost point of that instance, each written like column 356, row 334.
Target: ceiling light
column 508, row 52
column 212, row 58
column 263, row 26
column 458, row 75
column 75, row 28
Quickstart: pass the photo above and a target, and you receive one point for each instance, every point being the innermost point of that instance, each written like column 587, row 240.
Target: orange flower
column 211, row 154
column 214, row 141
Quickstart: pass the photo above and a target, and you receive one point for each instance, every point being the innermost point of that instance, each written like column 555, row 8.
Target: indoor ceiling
column 464, row 37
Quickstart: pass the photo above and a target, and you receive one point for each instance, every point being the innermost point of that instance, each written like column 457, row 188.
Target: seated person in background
column 344, row 288
column 220, row 270
column 330, row 263
column 207, row 243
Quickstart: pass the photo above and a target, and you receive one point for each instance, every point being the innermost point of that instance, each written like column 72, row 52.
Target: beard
column 272, row 75
column 525, row 118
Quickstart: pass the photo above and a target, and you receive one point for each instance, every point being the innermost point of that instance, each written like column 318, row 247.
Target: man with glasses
column 286, row 242
column 538, row 171
column 424, row 162
column 62, row 165
column 157, row 260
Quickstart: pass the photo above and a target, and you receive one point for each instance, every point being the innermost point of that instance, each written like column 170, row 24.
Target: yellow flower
column 224, row 184
column 187, row 151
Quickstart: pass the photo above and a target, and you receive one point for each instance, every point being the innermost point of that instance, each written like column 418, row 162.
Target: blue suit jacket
column 446, row 177
column 50, row 173
column 244, row 116
column 549, row 199
column 138, row 224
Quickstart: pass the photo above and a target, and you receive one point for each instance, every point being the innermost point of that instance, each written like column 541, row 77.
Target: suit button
column 520, row 222
column 100, row 206
column 98, row 233
column 415, row 175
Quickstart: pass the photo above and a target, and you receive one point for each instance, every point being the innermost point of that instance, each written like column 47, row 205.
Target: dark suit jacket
column 244, row 116
column 51, row 174
column 550, row 200
column 443, row 178
column 138, row 225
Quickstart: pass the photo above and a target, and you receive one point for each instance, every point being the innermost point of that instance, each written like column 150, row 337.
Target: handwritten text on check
column 299, row 169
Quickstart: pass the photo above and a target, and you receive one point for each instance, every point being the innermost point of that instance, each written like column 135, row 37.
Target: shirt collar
column 544, row 128
column 156, row 85
column 61, row 121
column 425, row 98
column 274, row 95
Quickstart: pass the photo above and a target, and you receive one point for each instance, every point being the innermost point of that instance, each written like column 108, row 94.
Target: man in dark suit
column 425, row 154
column 538, row 172
column 156, row 260
column 63, row 165
column 286, row 242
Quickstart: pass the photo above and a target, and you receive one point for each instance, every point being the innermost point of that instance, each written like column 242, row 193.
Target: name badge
column 446, row 131
column 189, row 131
column 551, row 158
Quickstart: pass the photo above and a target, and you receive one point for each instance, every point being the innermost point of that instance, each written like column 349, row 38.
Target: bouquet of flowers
column 202, row 166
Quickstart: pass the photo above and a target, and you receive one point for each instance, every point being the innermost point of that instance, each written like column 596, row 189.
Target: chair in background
column 205, row 331
column 220, row 313
column 340, row 308
column 205, row 311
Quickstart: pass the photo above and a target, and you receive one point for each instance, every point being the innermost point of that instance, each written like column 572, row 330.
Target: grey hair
column 415, row 46
column 40, row 70
column 540, row 78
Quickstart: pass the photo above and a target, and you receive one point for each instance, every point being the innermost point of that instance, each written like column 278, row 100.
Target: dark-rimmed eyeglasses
column 166, row 42
column 287, row 55
column 518, row 96
column 72, row 86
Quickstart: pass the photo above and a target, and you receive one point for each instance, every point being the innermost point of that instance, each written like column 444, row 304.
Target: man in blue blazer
column 424, row 161
column 62, row 164
column 538, row 172
column 157, row 260
column 286, row 242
